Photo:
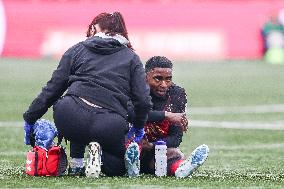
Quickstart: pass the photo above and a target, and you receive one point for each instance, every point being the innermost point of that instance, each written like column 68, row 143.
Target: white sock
column 77, row 162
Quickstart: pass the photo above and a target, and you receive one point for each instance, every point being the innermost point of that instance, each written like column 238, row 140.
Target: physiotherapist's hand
column 29, row 136
column 139, row 133
column 135, row 134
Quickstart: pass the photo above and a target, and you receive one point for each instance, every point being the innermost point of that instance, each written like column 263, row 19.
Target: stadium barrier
column 178, row 29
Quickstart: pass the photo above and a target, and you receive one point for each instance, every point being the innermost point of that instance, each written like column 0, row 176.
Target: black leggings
column 81, row 124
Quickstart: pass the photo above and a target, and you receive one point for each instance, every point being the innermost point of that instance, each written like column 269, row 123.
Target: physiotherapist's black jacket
column 102, row 71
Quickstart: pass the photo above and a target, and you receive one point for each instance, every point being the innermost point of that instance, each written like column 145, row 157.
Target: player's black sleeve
column 178, row 102
column 155, row 116
column 174, row 137
column 178, row 99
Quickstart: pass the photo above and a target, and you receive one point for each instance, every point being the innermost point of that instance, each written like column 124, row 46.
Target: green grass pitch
column 238, row 158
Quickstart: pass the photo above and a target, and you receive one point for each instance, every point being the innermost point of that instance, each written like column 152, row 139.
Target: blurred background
column 179, row 29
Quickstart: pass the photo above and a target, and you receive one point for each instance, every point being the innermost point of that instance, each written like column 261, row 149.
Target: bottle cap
column 160, row 142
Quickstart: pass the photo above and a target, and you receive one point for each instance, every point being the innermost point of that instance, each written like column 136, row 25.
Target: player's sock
column 173, row 167
column 77, row 162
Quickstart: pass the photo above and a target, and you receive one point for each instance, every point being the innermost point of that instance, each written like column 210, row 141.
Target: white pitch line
column 11, row 123
column 273, row 108
column 275, row 125
column 13, row 153
column 248, row 147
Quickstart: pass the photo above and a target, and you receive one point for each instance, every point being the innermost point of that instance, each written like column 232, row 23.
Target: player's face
column 159, row 80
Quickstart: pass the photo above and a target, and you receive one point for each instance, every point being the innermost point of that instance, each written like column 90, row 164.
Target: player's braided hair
column 158, row 62
column 112, row 22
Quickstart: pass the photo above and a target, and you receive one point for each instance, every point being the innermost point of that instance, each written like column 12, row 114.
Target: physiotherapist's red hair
column 111, row 22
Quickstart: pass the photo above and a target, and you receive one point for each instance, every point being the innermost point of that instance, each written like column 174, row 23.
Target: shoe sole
column 132, row 162
column 188, row 167
column 93, row 168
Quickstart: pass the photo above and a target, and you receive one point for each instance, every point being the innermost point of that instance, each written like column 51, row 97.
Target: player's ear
column 147, row 77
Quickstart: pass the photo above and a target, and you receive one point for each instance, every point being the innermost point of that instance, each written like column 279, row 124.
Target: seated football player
column 167, row 121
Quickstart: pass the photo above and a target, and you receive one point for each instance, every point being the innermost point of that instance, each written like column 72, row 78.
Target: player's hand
column 146, row 145
column 29, row 135
column 178, row 119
